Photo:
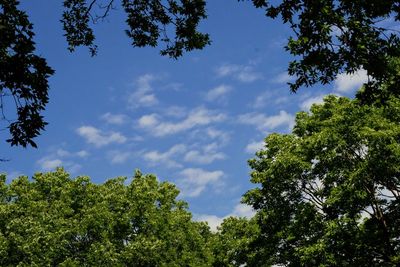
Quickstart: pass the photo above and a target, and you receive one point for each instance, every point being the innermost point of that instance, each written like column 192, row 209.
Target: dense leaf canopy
column 231, row 245
column 53, row 220
column 329, row 192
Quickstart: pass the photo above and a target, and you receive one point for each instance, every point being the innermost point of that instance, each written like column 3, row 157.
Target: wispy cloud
column 195, row 180
column 166, row 159
column 207, row 154
column 116, row 119
column 218, row 93
column 48, row 164
column 270, row 97
column 65, row 153
column 119, row 157
column 308, row 102
column 243, row 73
column 144, row 95
column 51, row 162
column 82, row 154
column 175, row 111
column 254, row 146
column 61, row 157
column 99, row 138
column 266, row 123
column 156, row 126
column 222, row 137
column 283, row 78
column 350, row 82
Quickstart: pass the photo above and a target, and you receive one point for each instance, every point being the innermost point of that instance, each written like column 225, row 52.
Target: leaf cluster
column 332, row 37
column 329, row 193
column 150, row 22
column 23, row 76
column 232, row 244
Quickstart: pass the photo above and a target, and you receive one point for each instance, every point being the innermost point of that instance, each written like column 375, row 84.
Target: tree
column 231, row 244
column 149, row 23
column 23, row 75
column 329, row 193
column 331, row 37
column 53, row 220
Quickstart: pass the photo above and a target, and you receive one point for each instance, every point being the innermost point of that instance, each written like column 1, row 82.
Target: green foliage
column 53, row 220
column 332, row 37
column 231, row 244
column 23, row 75
column 149, row 21
column 329, row 192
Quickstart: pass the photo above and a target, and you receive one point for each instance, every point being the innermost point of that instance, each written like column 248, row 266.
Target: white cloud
column 199, row 157
column 82, row 154
column 267, row 123
column 253, row 147
column 283, row 78
column 243, row 210
column 98, row 138
column 197, row 117
column 270, row 96
column 149, row 120
column 155, row 157
column 195, row 180
column 175, row 112
column 350, row 82
column 211, row 134
column 218, row 134
column 49, row 164
column 64, row 153
column 61, row 158
column 143, row 96
column 213, row 221
column 307, row 103
column 218, row 93
column 119, row 157
column 208, row 154
column 243, row 73
column 227, row 69
column 116, row 119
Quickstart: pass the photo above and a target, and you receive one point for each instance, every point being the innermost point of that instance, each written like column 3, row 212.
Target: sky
column 194, row 121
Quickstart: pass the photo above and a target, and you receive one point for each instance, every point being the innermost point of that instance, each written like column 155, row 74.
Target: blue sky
column 194, row 122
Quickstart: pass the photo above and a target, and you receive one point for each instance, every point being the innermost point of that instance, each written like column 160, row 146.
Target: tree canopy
column 53, row 220
column 329, row 193
column 332, row 37
column 231, row 245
